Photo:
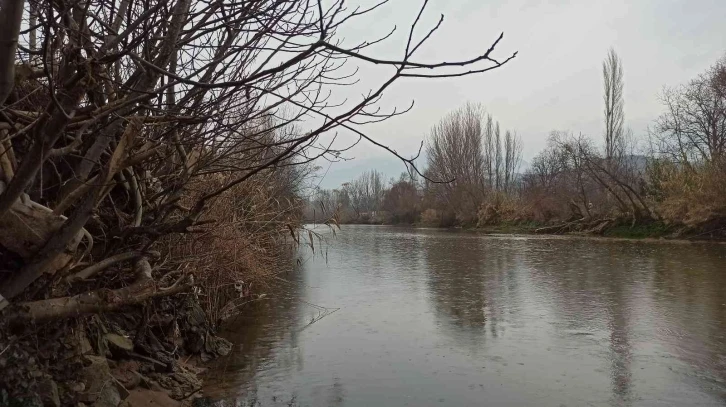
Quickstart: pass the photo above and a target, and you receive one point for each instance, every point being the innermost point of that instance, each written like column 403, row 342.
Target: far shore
column 651, row 233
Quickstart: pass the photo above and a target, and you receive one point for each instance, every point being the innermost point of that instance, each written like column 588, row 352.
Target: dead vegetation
column 670, row 183
column 151, row 163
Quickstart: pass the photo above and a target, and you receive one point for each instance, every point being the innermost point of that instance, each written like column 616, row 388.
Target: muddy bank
column 151, row 355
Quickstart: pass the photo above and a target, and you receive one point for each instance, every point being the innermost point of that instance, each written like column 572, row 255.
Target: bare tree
column 546, row 167
column 612, row 71
column 402, row 200
column 512, row 158
column 142, row 115
column 468, row 148
column 502, row 156
column 693, row 129
column 325, row 204
column 489, row 151
column 498, row 158
column 455, row 154
column 576, row 182
column 366, row 192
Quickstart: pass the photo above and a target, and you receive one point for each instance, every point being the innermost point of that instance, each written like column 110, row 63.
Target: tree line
column 674, row 175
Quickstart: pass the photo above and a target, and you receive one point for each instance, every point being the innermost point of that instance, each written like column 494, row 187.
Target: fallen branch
column 106, row 263
column 97, row 301
column 600, row 227
column 557, row 229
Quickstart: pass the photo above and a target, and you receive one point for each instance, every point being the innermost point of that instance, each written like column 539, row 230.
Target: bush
column 694, row 196
column 502, row 208
column 247, row 243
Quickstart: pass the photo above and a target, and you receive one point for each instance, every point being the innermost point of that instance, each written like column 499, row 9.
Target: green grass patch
column 651, row 230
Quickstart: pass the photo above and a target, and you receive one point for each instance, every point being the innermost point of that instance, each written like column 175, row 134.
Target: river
column 391, row 316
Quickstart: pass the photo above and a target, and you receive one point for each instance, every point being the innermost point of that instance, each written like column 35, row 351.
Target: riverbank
column 143, row 357
column 615, row 230
column 655, row 230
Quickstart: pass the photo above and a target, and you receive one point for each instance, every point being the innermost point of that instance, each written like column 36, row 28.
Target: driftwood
column 108, row 262
column 600, row 227
column 558, row 229
column 585, row 225
column 92, row 302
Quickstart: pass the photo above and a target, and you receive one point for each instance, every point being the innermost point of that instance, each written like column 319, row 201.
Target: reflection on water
column 430, row 317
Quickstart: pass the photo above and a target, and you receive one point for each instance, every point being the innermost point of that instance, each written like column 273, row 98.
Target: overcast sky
column 555, row 82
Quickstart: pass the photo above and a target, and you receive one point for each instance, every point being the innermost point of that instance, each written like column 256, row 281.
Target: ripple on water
column 429, row 315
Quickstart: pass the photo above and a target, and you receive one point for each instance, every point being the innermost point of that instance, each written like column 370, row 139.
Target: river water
column 390, row 316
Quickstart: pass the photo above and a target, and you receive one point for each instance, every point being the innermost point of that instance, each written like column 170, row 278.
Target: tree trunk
column 11, row 14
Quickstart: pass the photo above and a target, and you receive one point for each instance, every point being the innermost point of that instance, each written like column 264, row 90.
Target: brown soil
column 151, row 398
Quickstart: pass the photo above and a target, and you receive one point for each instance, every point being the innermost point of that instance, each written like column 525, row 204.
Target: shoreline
column 619, row 232
column 112, row 366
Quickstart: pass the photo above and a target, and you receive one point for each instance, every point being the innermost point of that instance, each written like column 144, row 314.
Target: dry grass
column 502, row 208
column 246, row 242
column 694, row 196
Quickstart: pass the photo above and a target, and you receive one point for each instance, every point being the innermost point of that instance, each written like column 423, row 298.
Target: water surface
column 390, row 316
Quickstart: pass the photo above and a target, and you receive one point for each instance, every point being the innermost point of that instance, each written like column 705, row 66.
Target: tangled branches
column 123, row 122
